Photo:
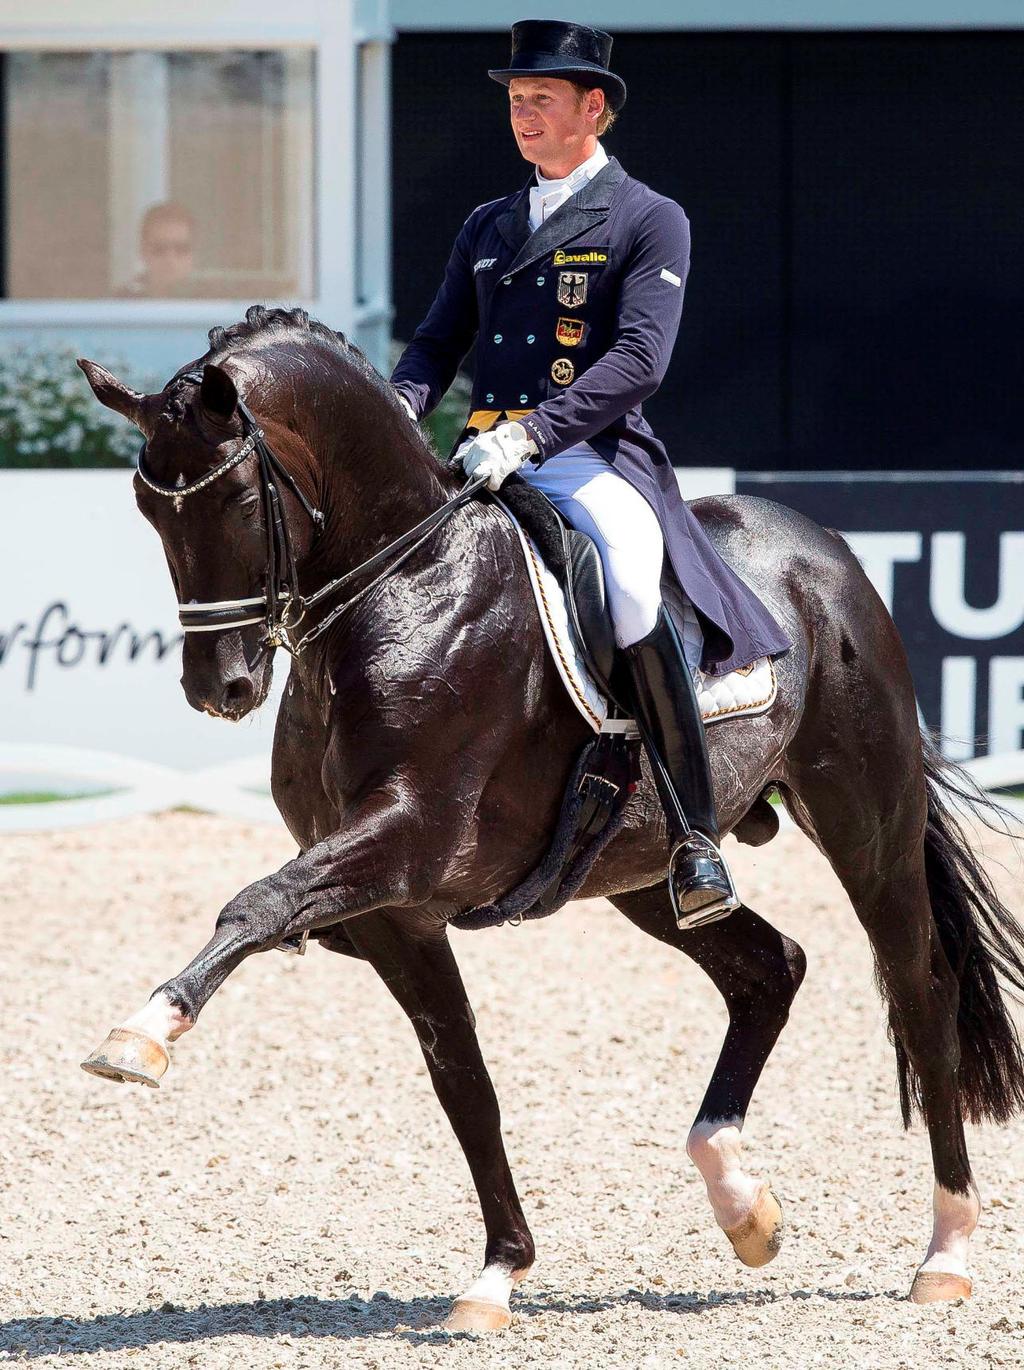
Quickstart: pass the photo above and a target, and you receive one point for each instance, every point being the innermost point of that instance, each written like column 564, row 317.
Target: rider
column 573, row 290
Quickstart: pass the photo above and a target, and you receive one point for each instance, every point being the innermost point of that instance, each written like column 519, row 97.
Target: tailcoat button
column 497, row 337
column 523, row 399
column 540, row 280
column 506, row 280
column 489, row 399
column 531, row 337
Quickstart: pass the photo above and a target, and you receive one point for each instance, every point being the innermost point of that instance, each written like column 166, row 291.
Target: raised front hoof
column 758, row 1238
column 939, row 1286
column 130, row 1057
column 476, row 1315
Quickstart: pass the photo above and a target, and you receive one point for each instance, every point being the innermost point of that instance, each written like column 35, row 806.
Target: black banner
column 946, row 553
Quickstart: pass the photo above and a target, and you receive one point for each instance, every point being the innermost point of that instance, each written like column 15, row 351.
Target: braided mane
column 259, row 321
column 262, row 324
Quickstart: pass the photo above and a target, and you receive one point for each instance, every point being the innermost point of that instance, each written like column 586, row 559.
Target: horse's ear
column 218, row 393
column 114, row 393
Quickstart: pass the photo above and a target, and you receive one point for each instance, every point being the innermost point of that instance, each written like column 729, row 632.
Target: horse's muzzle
column 218, row 679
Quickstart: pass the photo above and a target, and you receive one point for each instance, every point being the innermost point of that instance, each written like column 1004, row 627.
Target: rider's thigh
column 625, row 530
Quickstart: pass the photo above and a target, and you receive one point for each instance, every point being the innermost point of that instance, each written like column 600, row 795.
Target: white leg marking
column 494, row 1284
column 159, row 1020
column 716, row 1151
column 955, row 1216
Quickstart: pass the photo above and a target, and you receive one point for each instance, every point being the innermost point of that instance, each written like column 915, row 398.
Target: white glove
column 498, row 453
column 406, row 406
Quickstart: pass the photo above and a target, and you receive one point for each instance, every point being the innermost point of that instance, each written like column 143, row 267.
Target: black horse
column 425, row 740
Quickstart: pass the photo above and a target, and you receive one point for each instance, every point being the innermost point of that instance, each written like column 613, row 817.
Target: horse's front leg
column 382, row 859
column 418, row 967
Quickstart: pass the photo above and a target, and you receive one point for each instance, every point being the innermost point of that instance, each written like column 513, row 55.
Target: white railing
column 122, row 787
column 234, row 789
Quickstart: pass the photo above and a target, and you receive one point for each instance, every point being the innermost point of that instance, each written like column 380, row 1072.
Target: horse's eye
column 249, row 506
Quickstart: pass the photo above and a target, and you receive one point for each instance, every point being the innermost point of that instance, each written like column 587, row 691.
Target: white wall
column 714, row 14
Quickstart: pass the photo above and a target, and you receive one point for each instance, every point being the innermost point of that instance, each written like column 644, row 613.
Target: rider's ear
column 218, row 394
column 115, row 394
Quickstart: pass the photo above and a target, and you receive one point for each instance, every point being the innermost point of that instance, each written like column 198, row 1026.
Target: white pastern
column 955, row 1216
column 494, row 1284
column 159, row 1020
column 716, row 1150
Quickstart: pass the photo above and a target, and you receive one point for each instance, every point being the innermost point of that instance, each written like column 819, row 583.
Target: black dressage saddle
column 574, row 560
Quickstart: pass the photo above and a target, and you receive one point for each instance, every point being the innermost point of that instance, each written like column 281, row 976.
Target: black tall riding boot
column 668, row 716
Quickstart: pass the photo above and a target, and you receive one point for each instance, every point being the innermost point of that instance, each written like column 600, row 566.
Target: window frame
column 330, row 31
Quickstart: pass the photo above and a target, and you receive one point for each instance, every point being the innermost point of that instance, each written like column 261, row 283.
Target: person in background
column 166, row 246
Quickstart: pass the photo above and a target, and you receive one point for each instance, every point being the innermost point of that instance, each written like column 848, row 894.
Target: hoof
column 939, row 1286
column 129, row 1057
column 758, row 1238
column 475, row 1315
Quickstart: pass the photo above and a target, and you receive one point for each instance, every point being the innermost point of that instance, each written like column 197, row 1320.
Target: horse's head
column 214, row 538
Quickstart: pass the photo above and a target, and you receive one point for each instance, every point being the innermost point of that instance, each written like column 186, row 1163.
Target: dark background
column 983, row 510
column 857, row 283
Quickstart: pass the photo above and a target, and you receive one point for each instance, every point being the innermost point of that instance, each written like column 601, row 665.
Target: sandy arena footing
column 275, row 1205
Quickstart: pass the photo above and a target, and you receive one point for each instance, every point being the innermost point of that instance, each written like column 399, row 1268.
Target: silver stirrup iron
column 710, row 913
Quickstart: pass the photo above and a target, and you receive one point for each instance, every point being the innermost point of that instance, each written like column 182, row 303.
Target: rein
column 281, row 608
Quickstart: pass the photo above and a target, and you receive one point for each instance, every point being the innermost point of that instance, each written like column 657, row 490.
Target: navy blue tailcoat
column 575, row 324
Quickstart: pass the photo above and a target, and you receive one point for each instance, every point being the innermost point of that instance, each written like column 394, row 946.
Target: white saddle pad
column 740, row 694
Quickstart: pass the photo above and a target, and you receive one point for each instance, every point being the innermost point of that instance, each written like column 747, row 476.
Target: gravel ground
column 292, row 1197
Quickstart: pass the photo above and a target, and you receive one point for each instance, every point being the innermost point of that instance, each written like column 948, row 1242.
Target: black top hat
column 547, row 47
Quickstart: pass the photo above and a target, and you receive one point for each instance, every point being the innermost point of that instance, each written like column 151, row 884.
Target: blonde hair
column 607, row 116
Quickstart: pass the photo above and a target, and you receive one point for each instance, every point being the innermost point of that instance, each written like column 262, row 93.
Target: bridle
column 281, row 608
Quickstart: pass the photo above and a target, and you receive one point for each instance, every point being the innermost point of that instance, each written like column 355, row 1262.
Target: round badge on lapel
column 562, row 371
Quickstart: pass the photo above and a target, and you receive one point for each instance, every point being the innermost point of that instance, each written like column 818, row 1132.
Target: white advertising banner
column 90, row 650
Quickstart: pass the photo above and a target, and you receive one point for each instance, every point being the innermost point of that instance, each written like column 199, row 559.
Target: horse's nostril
column 237, row 693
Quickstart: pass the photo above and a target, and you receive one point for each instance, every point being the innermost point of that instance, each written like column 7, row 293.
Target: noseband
column 281, row 608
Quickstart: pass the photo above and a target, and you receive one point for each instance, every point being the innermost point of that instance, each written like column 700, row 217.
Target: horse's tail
column 983, row 942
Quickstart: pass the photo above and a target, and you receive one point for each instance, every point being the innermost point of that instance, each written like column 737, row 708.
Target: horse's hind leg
column 422, row 974
column 758, row 972
column 869, row 823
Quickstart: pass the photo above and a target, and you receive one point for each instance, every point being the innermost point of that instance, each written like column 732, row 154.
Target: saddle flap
column 573, row 559
column 587, row 603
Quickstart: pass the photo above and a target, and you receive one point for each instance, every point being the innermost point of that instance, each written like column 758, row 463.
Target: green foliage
column 49, row 416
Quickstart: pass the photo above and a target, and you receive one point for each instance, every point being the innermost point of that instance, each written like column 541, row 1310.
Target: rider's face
column 553, row 123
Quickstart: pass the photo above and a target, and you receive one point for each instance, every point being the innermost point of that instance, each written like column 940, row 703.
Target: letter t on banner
column 878, row 553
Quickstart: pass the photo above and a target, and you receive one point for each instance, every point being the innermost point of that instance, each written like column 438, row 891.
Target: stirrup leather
column 697, row 844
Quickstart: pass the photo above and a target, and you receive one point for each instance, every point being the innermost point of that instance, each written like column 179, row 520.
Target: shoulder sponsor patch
column 670, row 276
column 484, row 264
column 581, row 256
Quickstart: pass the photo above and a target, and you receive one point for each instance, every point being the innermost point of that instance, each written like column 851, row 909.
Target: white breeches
column 597, row 501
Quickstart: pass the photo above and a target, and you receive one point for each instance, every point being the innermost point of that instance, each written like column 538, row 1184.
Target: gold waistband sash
column 483, row 420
